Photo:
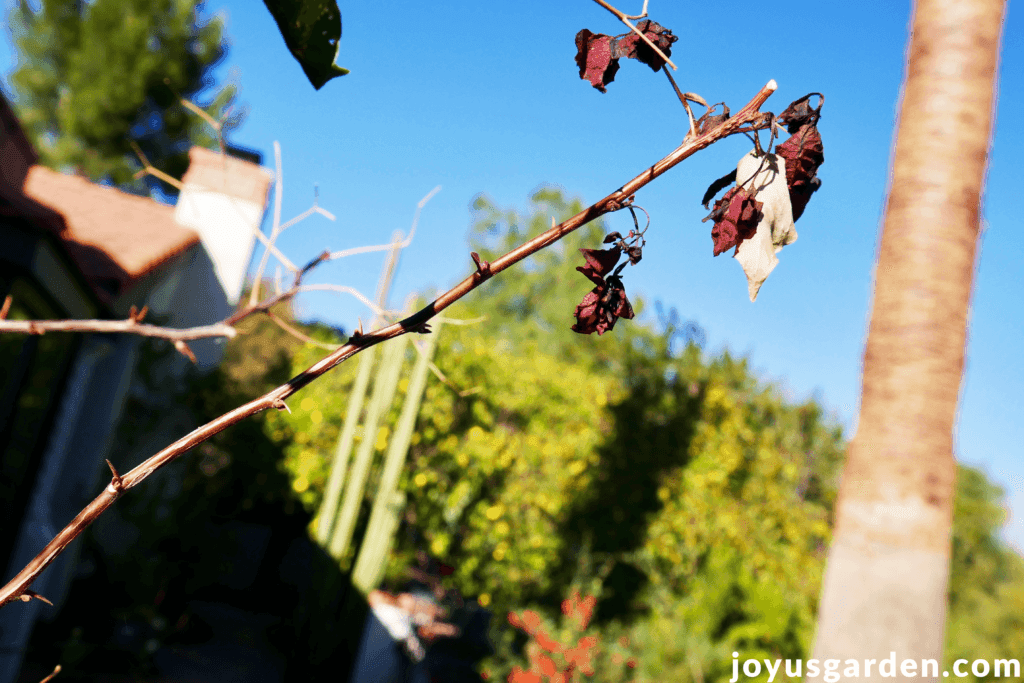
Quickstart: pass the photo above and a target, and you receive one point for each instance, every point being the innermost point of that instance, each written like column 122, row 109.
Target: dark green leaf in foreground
column 312, row 31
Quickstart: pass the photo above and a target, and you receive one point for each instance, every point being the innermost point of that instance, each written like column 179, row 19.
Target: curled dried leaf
column 717, row 186
column 757, row 255
column 711, row 119
column 800, row 112
column 599, row 262
column 632, row 46
column 602, row 307
column 804, row 153
column 736, row 216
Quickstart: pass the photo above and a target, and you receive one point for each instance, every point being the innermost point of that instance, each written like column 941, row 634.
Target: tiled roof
column 114, row 237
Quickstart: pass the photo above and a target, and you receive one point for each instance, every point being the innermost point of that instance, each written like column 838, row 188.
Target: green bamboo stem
column 384, row 516
column 380, row 401
column 332, row 495
column 329, row 508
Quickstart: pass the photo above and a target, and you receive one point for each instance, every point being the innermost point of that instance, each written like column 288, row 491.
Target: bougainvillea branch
column 748, row 116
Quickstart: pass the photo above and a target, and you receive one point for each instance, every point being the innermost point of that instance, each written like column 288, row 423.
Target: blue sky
column 485, row 97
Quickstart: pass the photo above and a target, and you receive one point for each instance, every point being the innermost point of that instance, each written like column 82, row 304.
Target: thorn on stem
column 116, row 483
column 421, row 328
column 8, row 300
column 281, row 405
column 185, row 350
column 482, row 267
column 28, row 595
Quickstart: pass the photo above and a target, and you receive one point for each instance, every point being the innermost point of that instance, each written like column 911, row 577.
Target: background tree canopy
column 95, row 76
column 691, row 496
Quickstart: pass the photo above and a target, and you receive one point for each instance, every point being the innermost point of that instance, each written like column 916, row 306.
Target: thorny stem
column 625, row 19
column 415, row 323
column 128, row 326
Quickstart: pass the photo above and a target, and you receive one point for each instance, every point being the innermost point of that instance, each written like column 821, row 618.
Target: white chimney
column 223, row 199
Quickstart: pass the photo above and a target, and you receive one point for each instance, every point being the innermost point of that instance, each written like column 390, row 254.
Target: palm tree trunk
column 885, row 582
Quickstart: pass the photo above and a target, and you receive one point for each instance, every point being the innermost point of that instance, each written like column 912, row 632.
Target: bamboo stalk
column 384, row 387
column 384, row 517
column 332, row 495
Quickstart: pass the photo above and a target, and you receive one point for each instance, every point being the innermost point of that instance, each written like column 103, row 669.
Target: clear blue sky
column 485, row 97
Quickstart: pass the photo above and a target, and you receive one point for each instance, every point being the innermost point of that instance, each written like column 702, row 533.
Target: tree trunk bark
column 885, row 583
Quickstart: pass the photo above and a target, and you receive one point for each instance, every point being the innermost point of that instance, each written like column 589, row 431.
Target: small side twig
column 149, row 169
column 390, row 245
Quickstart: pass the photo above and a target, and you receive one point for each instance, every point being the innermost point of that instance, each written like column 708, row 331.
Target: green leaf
column 312, row 31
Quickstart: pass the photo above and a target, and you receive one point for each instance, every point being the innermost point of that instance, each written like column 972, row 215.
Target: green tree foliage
column 665, row 470
column 691, row 497
column 986, row 583
column 94, row 76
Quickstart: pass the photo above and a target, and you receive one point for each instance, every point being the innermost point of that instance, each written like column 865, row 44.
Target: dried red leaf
column 800, row 112
column 631, row 46
column 736, row 216
column 594, row 58
column 599, row 261
column 804, row 153
column 602, row 307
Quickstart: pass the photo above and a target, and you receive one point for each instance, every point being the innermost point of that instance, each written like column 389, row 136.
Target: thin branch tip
column 56, row 670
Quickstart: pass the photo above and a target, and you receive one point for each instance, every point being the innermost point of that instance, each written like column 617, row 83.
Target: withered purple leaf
column 612, row 237
column 800, row 112
column 594, row 58
column 599, row 261
column 630, row 45
column 602, row 307
column 804, row 153
column 736, row 216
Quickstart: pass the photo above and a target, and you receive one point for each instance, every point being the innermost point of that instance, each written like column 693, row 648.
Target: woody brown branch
column 748, row 115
